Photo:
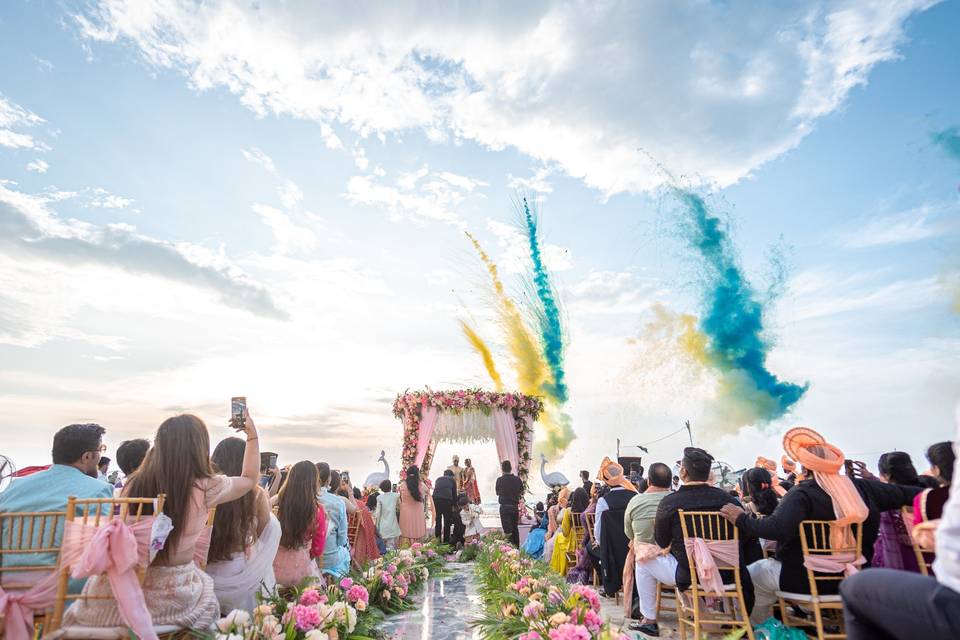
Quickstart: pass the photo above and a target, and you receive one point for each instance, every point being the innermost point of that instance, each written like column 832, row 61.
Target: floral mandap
column 467, row 415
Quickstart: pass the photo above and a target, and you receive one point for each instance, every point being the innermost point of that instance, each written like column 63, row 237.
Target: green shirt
column 640, row 515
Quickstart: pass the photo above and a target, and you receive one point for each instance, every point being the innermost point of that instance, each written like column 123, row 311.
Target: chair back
column 99, row 512
column 815, row 542
column 589, row 520
column 578, row 521
column 23, row 534
column 924, row 555
column 353, row 529
column 712, row 527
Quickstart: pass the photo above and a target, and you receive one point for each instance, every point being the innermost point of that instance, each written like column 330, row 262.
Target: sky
column 268, row 199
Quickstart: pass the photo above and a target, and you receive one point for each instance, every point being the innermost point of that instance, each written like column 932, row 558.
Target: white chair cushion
column 806, row 597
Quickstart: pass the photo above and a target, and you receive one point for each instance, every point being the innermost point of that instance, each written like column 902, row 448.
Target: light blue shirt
column 48, row 491
column 336, row 548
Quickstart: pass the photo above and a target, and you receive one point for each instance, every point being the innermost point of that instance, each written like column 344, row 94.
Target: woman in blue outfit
column 533, row 545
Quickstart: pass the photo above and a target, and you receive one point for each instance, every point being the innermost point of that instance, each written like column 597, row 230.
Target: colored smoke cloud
column 949, row 140
column 731, row 322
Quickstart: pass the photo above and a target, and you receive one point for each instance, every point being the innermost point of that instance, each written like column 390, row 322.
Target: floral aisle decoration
column 350, row 609
column 525, row 409
column 525, row 599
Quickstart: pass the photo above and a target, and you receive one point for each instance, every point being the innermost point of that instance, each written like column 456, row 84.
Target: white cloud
column 602, row 92
column 29, row 227
column 920, row 223
column 419, row 195
column 613, row 292
column 822, row 293
column 257, row 156
column 102, row 199
column 537, row 183
column 43, row 64
column 289, row 193
column 516, row 250
column 38, row 166
column 13, row 117
column 288, row 236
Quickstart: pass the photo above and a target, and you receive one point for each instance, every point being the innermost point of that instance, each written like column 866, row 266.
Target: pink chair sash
column 18, row 608
column 845, row 563
column 202, row 549
column 115, row 548
column 706, row 554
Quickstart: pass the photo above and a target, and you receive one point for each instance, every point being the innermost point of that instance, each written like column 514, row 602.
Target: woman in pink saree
column 470, row 486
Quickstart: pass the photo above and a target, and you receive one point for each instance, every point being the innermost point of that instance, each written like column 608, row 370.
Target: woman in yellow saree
column 566, row 536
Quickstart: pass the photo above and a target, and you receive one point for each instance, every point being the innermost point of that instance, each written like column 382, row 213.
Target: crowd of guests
column 636, row 525
column 271, row 527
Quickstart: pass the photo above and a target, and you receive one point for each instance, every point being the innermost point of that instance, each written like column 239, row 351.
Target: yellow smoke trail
column 481, row 347
column 533, row 373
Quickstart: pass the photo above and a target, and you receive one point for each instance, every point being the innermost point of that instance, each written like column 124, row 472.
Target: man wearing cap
column 825, row 495
column 695, row 494
column 612, row 542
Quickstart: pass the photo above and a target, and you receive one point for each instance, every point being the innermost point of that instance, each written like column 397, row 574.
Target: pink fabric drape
column 505, row 436
column 114, row 548
column 706, row 554
column 628, row 578
column 18, row 607
column 846, row 563
column 428, row 420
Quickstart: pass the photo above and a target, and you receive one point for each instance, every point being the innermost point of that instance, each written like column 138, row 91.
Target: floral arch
column 468, row 415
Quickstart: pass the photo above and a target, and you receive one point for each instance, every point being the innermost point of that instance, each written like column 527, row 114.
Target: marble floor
column 445, row 609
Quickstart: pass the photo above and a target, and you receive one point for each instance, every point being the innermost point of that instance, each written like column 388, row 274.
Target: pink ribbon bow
column 18, row 608
column 845, row 563
column 113, row 550
column 706, row 554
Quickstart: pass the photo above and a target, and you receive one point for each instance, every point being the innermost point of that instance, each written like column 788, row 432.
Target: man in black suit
column 444, row 499
column 509, row 492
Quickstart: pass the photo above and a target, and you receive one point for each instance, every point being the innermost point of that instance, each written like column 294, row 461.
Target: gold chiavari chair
column 691, row 610
column 815, row 541
column 924, row 555
column 33, row 539
column 96, row 512
column 589, row 520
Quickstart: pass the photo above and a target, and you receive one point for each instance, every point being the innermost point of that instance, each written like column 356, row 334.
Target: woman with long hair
column 413, row 521
column 178, row 593
column 565, row 540
column 758, row 492
column 304, row 525
column 245, row 538
column 893, row 548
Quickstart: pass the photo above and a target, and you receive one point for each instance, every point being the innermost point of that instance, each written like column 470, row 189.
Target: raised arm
column 783, row 523
column 242, row 485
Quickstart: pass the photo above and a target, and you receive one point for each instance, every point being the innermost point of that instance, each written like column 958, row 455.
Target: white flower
column 236, row 618
column 351, row 619
column 316, row 634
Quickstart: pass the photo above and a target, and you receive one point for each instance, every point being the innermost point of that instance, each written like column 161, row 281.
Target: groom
column 509, row 493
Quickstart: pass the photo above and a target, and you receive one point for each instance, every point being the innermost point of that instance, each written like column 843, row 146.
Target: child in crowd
column 470, row 517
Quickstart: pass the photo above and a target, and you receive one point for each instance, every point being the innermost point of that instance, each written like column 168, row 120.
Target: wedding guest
column 636, row 477
column 470, row 486
column 385, row 514
column 566, row 541
column 470, row 517
column 509, row 493
column 534, row 544
column 558, row 503
column 694, row 494
column 612, row 544
column 103, row 468
column 820, row 497
column 303, row 524
column 130, row 455
column 444, row 499
column 76, row 452
column 336, row 548
column 413, row 520
column 340, row 487
column 245, row 538
column 638, row 525
column 585, row 482
column 894, row 546
column 928, row 505
column 884, row 604
column 177, row 592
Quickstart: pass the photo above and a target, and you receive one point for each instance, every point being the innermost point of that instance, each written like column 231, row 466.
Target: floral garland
column 409, row 405
column 350, row 608
column 525, row 599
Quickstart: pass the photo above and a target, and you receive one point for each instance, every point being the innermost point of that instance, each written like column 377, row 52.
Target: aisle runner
column 445, row 609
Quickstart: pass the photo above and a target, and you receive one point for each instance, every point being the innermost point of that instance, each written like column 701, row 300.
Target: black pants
column 885, row 604
column 510, row 521
column 445, row 514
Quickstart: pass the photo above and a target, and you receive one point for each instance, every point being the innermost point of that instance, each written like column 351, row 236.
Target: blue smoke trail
column 948, row 140
column 732, row 319
column 547, row 312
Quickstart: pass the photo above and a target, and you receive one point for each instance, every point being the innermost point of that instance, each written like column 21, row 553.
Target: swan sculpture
column 552, row 480
column 374, row 479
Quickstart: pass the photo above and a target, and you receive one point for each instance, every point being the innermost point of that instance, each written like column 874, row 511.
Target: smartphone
column 345, row 477
column 237, row 406
column 848, row 466
column 268, row 460
column 265, row 481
